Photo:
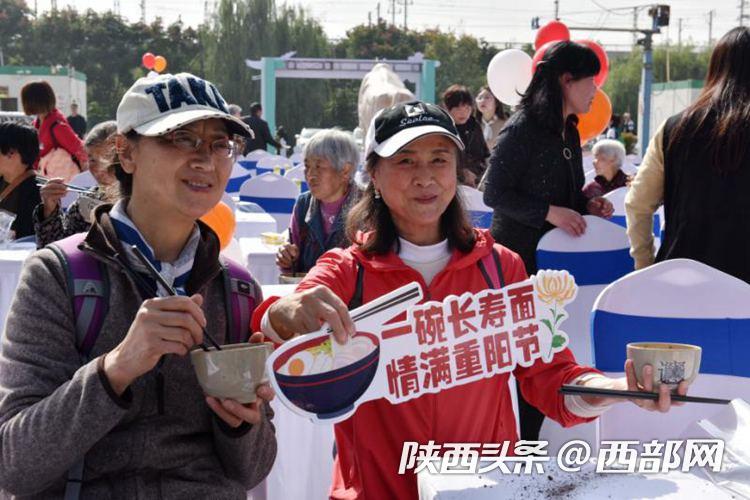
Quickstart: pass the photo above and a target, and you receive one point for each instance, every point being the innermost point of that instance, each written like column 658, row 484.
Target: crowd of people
column 110, row 406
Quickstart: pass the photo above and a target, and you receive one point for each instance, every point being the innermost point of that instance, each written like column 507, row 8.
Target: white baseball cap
column 160, row 104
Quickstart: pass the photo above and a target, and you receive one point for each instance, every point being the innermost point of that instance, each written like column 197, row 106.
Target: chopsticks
column 372, row 308
column 613, row 393
column 41, row 181
column 160, row 279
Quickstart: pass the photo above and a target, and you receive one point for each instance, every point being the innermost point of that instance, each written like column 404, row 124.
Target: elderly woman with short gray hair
column 609, row 156
column 330, row 158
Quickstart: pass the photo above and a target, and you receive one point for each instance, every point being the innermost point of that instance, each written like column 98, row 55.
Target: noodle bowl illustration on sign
column 438, row 346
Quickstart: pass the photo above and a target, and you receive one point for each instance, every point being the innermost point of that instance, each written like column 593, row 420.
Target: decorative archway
column 419, row 71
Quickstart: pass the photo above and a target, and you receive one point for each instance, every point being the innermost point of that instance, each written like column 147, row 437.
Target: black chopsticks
column 613, row 393
column 160, row 279
column 371, row 308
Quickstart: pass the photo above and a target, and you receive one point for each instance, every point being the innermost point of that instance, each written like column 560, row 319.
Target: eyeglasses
column 187, row 141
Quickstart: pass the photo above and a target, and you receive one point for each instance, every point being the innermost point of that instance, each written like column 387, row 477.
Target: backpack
column 88, row 288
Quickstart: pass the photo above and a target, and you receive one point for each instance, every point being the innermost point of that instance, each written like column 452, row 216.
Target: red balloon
column 601, row 54
column 539, row 54
column 148, row 60
column 553, row 31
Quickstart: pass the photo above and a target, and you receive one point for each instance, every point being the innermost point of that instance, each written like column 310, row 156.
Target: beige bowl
column 291, row 279
column 671, row 363
column 234, row 372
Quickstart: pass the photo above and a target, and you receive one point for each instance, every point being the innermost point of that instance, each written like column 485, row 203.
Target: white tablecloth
column 11, row 262
column 260, row 259
column 304, row 461
column 253, row 224
column 586, row 484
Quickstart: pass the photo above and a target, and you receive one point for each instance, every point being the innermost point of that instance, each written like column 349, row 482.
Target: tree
column 624, row 79
column 251, row 29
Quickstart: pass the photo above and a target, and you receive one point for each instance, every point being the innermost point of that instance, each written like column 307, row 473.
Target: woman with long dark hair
column 490, row 114
column 535, row 176
column 698, row 166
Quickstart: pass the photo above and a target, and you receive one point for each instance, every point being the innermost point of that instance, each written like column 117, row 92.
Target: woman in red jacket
column 61, row 151
column 417, row 230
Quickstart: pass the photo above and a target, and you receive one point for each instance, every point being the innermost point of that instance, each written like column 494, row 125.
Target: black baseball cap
column 395, row 127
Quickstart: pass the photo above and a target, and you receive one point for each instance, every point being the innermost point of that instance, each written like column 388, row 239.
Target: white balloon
column 152, row 74
column 509, row 75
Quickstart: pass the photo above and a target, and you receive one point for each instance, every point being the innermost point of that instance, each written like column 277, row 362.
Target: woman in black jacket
column 460, row 105
column 19, row 194
column 535, row 176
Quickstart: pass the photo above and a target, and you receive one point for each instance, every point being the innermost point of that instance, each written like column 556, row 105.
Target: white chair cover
column 617, row 197
column 275, row 194
column 250, row 160
column 296, row 158
column 682, row 301
column 481, row 214
column 273, row 163
column 595, row 259
column 238, row 176
column 297, row 174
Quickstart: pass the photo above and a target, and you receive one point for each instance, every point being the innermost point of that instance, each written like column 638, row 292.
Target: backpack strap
column 492, row 270
column 88, row 288
column 357, row 297
column 240, row 289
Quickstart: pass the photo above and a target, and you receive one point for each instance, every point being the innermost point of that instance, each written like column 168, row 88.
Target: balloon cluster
column 156, row 64
column 510, row 71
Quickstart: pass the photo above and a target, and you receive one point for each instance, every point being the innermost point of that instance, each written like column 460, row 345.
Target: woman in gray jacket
column 121, row 414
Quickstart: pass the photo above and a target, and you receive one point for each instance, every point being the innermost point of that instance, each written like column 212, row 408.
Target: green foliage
column 625, row 74
column 251, row 29
column 630, row 140
column 15, row 19
column 105, row 48
column 108, row 50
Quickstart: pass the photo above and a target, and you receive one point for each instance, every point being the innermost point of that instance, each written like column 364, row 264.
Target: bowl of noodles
column 327, row 380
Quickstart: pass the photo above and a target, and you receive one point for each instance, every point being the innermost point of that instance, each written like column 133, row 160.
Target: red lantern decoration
column 553, row 31
column 601, row 54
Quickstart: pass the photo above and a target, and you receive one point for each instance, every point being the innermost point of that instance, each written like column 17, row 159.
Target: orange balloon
column 160, row 64
column 221, row 220
column 596, row 120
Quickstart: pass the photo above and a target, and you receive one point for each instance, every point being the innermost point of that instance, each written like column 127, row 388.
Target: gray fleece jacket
column 54, row 411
